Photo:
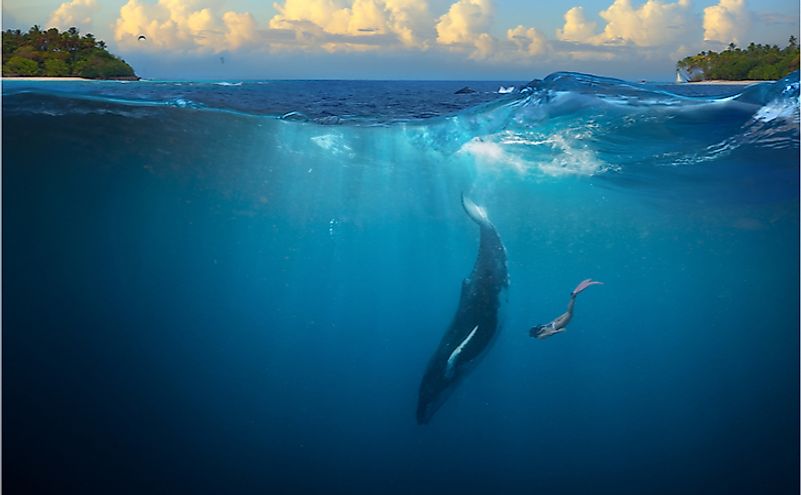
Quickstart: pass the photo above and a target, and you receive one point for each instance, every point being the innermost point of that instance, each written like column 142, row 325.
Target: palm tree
column 35, row 37
column 52, row 39
column 88, row 41
column 70, row 42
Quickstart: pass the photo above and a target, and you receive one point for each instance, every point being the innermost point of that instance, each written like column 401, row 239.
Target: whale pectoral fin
column 451, row 364
column 449, row 369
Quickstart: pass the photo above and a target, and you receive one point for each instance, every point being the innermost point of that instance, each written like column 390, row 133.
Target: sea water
column 235, row 287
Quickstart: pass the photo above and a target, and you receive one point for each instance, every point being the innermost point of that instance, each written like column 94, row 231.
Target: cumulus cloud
column 653, row 24
column 464, row 21
column 183, row 26
column 240, row 29
column 648, row 29
column 527, row 40
column 728, row 21
column 77, row 13
column 410, row 20
column 313, row 16
column 466, row 24
column 361, row 25
column 576, row 27
column 485, row 46
column 655, row 29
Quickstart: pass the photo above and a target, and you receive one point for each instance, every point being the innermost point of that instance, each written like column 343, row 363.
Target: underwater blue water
column 203, row 294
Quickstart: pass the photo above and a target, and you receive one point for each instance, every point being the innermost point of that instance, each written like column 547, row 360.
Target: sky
column 500, row 40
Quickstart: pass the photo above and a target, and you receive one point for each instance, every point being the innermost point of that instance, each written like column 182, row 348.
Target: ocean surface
column 236, row 286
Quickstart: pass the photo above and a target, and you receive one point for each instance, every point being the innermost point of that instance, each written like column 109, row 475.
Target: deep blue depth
column 236, row 289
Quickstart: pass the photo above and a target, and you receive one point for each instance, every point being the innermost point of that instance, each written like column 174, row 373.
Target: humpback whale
column 476, row 320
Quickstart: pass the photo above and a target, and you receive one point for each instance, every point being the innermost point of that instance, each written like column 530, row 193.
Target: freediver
column 559, row 324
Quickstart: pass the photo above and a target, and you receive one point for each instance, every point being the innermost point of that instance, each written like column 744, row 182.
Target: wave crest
column 568, row 124
column 578, row 124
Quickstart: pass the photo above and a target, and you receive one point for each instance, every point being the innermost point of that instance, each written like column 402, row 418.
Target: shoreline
column 716, row 82
column 723, row 81
column 67, row 79
column 60, row 79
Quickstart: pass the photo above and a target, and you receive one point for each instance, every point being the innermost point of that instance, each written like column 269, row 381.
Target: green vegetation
column 757, row 62
column 52, row 54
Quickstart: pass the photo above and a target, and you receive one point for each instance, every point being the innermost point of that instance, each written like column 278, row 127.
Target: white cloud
column 485, row 46
column 527, row 40
column 410, row 20
column 240, row 29
column 728, row 21
column 464, row 21
column 77, row 13
column 625, row 29
column 653, row 24
column 324, row 15
column 183, row 26
column 465, row 25
column 361, row 25
column 576, row 27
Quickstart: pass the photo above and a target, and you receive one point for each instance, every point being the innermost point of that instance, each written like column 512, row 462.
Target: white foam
column 573, row 160
column 332, row 143
column 569, row 159
column 225, row 83
column 492, row 153
column 778, row 109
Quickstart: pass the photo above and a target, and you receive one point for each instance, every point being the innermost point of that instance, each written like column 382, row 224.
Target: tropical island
column 52, row 53
column 754, row 63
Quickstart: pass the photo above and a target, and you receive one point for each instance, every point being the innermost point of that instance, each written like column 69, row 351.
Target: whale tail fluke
column 477, row 213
